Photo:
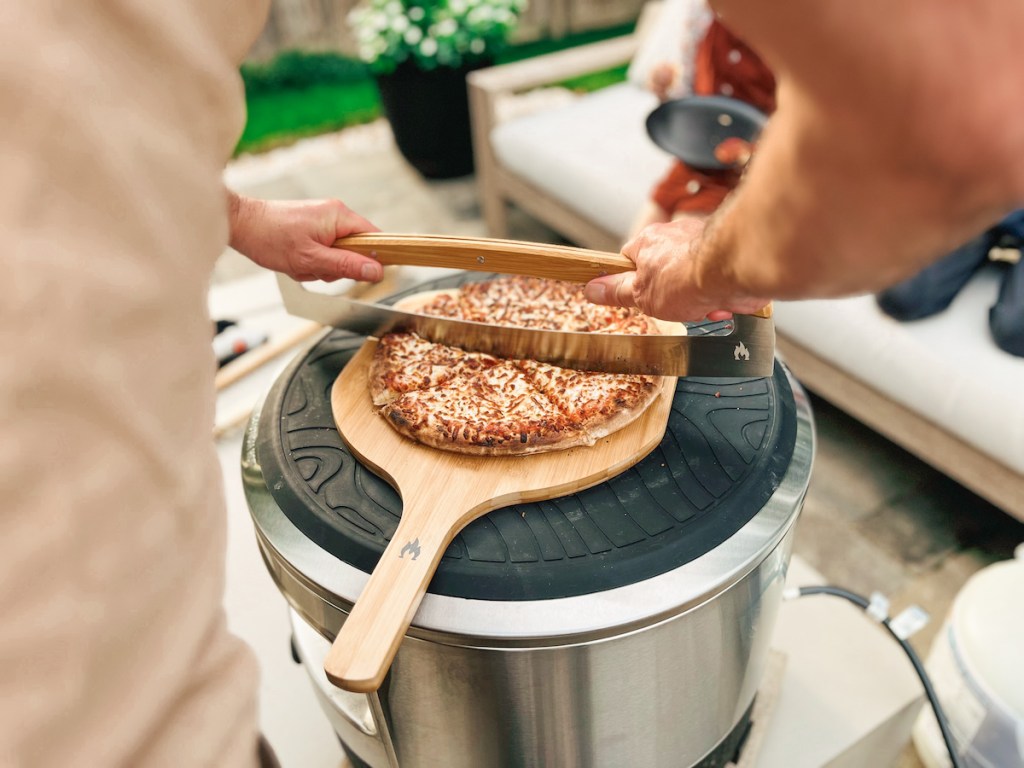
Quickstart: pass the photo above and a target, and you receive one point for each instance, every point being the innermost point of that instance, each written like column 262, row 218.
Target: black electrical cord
column 933, row 699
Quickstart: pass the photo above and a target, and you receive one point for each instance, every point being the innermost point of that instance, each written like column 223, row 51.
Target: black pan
column 691, row 128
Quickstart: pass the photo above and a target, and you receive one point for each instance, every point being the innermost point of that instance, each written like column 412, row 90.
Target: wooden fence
column 321, row 25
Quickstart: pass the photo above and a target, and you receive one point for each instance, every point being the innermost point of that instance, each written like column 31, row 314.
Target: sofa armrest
column 554, row 67
column 561, row 65
column 487, row 88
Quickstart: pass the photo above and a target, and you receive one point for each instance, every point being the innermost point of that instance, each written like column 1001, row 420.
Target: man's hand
column 295, row 237
column 664, row 283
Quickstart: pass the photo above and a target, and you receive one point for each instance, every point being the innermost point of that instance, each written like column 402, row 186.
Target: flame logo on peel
column 412, row 548
column 741, row 352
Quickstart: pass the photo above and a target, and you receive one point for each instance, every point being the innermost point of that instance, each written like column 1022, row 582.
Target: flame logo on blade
column 412, row 548
column 741, row 352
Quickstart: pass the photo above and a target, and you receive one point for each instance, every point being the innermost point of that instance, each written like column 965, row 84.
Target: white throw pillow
column 673, row 37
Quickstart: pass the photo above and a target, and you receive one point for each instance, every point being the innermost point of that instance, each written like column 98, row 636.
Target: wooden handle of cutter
column 368, row 641
column 481, row 254
column 512, row 257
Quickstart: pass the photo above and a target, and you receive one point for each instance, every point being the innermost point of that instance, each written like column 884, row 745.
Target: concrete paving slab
column 845, row 557
column 853, row 475
column 935, row 589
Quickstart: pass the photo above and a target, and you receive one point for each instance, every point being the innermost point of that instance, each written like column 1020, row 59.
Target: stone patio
column 875, row 518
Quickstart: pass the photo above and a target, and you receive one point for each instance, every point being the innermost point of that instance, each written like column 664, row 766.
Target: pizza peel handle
column 368, row 641
column 441, row 493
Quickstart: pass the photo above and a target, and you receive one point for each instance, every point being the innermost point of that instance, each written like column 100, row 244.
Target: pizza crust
column 418, row 301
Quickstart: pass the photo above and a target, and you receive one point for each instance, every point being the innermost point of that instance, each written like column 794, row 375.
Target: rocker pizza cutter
column 741, row 348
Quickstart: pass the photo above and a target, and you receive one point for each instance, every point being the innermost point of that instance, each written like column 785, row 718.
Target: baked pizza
column 473, row 403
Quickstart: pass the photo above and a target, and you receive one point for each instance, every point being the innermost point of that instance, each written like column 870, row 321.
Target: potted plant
column 420, row 52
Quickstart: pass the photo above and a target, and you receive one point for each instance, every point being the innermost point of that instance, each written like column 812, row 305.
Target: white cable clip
column 909, row 622
column 791, row 593
column 878, row 608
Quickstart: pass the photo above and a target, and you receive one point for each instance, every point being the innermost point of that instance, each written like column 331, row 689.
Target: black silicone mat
column 727, row 447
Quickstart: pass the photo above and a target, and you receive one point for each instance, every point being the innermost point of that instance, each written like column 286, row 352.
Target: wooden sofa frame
column 498, row 186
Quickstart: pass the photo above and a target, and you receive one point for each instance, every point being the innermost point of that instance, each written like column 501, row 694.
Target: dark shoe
column 1011, row 230
column 1006, row 318
column 932, row 289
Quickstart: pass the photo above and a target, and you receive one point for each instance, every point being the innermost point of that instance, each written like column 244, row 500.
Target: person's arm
column 897, row 137
column 663, row 79
column 295, row 237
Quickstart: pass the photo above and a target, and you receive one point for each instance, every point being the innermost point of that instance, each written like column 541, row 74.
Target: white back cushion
column 673, row 37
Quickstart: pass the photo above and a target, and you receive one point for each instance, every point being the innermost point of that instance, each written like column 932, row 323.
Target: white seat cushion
column 593, row 154
column 946, row 368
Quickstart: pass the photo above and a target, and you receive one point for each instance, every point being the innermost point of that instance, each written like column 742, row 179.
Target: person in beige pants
column 117, row 120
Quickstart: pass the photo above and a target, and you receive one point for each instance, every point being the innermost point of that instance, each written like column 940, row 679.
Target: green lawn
column 305, row 94
column 281, row 117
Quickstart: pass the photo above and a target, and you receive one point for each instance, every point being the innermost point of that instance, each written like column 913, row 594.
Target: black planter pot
column 429, row 115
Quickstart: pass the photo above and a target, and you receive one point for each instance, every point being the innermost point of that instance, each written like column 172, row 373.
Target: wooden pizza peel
column 442, row 492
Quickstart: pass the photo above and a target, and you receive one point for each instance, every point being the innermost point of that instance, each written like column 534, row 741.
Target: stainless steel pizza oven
column 627, row 624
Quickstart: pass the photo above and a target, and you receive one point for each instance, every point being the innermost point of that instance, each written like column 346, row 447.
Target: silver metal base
column 652, row 674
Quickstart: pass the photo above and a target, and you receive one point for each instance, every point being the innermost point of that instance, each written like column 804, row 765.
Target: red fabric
column 727, row 66
column 685, row 190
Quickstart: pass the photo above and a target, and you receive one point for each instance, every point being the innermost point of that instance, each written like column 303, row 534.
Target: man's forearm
column 813, row 218
column 242, row 212
column 858, row 180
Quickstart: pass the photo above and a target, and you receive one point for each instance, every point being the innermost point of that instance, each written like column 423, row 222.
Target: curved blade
column 746, row 348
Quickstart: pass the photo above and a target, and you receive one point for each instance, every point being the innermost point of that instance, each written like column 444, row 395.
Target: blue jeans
column 931, row 290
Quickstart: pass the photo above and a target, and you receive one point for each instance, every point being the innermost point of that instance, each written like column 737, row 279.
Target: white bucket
column 977, row 667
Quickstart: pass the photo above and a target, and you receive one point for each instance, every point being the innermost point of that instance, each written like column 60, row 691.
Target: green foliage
column 301, row 94
column 432, row 33
column 300, row 69
column 282, row 116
